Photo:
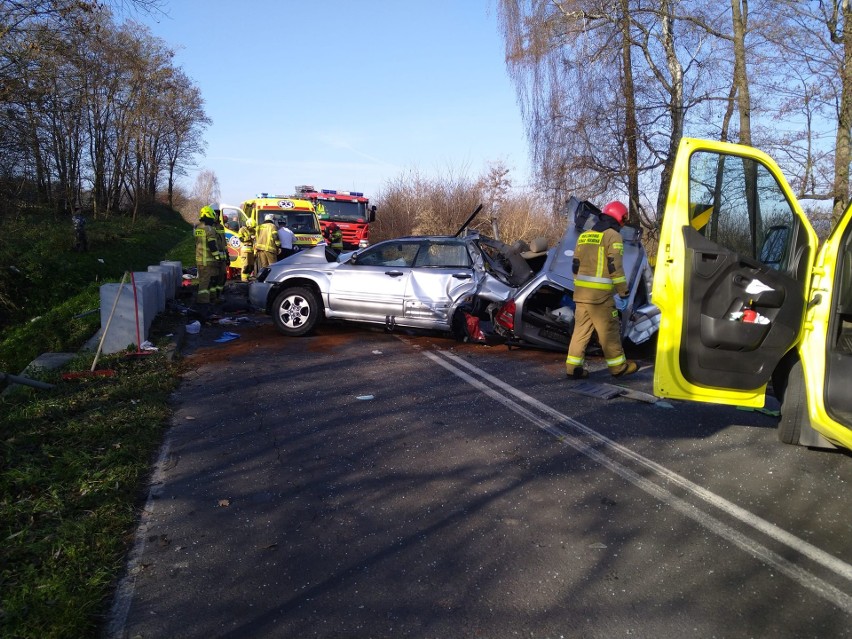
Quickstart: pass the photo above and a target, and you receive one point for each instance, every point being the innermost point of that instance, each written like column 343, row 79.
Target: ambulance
column 748, row 297
column 298, row 215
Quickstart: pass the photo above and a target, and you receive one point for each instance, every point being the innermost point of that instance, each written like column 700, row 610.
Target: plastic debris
column 365, row 397
column 148, row 346
column 193, row 328
column 227, row 337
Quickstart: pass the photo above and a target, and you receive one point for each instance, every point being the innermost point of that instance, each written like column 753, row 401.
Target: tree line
column 609, row 87
column 93, row 113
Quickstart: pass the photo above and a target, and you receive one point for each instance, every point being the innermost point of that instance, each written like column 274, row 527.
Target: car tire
column 794, row 406
column 296, row 311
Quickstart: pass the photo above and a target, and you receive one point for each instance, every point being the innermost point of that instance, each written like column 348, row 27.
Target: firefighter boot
column 578, row 373
column 630, row 367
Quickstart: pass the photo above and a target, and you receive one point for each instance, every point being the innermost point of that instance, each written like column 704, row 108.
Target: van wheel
column 296, row 311
column 794, row 407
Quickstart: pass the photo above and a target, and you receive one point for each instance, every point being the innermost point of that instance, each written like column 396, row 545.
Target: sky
column 345, row 95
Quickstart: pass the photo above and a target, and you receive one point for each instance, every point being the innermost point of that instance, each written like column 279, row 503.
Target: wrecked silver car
column 541, row 312
column 470, row 285
column 413, row 282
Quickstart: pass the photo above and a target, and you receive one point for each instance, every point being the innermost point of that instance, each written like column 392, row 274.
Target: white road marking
column 593, row 448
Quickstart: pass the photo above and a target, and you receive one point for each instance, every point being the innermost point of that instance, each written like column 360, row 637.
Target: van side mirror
column 775, row 246
column 371, row 217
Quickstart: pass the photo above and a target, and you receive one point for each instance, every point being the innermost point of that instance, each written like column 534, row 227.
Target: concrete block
column 158, row 278
column 167, row 278
column 122, row 330
column 176, row 269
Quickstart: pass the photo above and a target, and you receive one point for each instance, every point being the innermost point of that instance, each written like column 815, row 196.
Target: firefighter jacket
column 336, row 237
column 267, row 238
column 597, row 264
column 221, row 243
column 246, row 236
column 206, row 245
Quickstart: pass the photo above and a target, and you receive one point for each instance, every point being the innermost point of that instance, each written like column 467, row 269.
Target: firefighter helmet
column 616, row 210
column 207, row 213
column 269, row 217
column 250, row 223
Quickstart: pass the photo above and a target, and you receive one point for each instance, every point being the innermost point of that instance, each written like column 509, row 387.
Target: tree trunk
column 630, row 137
column 844, row 123
column 676, row 113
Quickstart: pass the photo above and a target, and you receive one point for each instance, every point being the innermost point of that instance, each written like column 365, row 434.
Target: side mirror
column 775, row 246
column 372, row 215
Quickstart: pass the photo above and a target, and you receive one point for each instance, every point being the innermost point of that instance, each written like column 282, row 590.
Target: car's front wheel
column 296, row 311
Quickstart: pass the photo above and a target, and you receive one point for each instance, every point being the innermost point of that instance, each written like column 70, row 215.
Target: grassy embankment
column 74, row 459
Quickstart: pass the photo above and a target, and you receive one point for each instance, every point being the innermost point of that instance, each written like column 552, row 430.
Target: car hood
column 316, row 257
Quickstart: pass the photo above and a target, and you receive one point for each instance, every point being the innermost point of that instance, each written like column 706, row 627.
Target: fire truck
column 350, row 210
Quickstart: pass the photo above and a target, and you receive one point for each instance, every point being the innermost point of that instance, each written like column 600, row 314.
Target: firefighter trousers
column 207, row 276
column 603, row 319
column 265, row 258
column 247, row 255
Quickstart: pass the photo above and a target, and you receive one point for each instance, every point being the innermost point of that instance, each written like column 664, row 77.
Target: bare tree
column 205, row 190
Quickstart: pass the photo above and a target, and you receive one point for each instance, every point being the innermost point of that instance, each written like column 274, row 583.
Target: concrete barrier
column 122, row 330
column 158, row 279
column 166, row 278
column 176, row 271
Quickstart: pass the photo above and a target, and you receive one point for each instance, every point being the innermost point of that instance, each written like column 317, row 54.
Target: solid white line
column 751, row 546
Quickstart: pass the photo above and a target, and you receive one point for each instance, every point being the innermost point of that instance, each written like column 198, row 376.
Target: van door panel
column 714, row 339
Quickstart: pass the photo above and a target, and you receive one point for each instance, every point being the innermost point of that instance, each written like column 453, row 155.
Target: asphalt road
column 363, row 484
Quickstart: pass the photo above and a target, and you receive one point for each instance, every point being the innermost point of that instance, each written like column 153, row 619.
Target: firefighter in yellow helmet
column 598, row 274
column 246, row 234
column 267, row 243
column 207, row 257
column 224, row 258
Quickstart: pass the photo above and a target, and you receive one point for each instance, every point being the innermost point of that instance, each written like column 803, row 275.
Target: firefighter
column 335, row 237
column 598, row 273
column 224, row 259
column 246, row 235
column 206, row 257
column 267, row 244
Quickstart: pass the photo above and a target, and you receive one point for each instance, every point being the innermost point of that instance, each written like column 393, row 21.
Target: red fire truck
column 350, row 210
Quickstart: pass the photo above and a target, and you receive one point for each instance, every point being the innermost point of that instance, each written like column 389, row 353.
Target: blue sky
column 346, row 94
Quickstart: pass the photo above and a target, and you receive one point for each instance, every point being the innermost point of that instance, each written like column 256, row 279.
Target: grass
column 74, row 460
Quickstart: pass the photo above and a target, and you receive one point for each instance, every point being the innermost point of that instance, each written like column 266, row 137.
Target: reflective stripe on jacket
column 246, row 236
column 598, row 268
column 267, row 238
column 206, row 245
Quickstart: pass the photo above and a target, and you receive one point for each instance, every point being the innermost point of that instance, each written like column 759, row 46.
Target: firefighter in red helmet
column 598, row 276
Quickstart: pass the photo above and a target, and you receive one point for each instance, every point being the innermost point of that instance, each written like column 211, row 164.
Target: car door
column 826, row 348
column 443, row 273
column 371, row 285
column 732, row 276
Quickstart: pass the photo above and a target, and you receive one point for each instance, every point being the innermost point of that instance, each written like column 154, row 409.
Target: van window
column 737, row 203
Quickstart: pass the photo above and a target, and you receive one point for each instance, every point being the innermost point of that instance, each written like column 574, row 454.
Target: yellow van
column 298, row 215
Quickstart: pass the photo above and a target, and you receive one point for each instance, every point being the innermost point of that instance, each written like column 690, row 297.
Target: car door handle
column 394, row 273
column 462, row 276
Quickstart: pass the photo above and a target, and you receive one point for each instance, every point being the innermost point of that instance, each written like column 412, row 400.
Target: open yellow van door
column 740, row 299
